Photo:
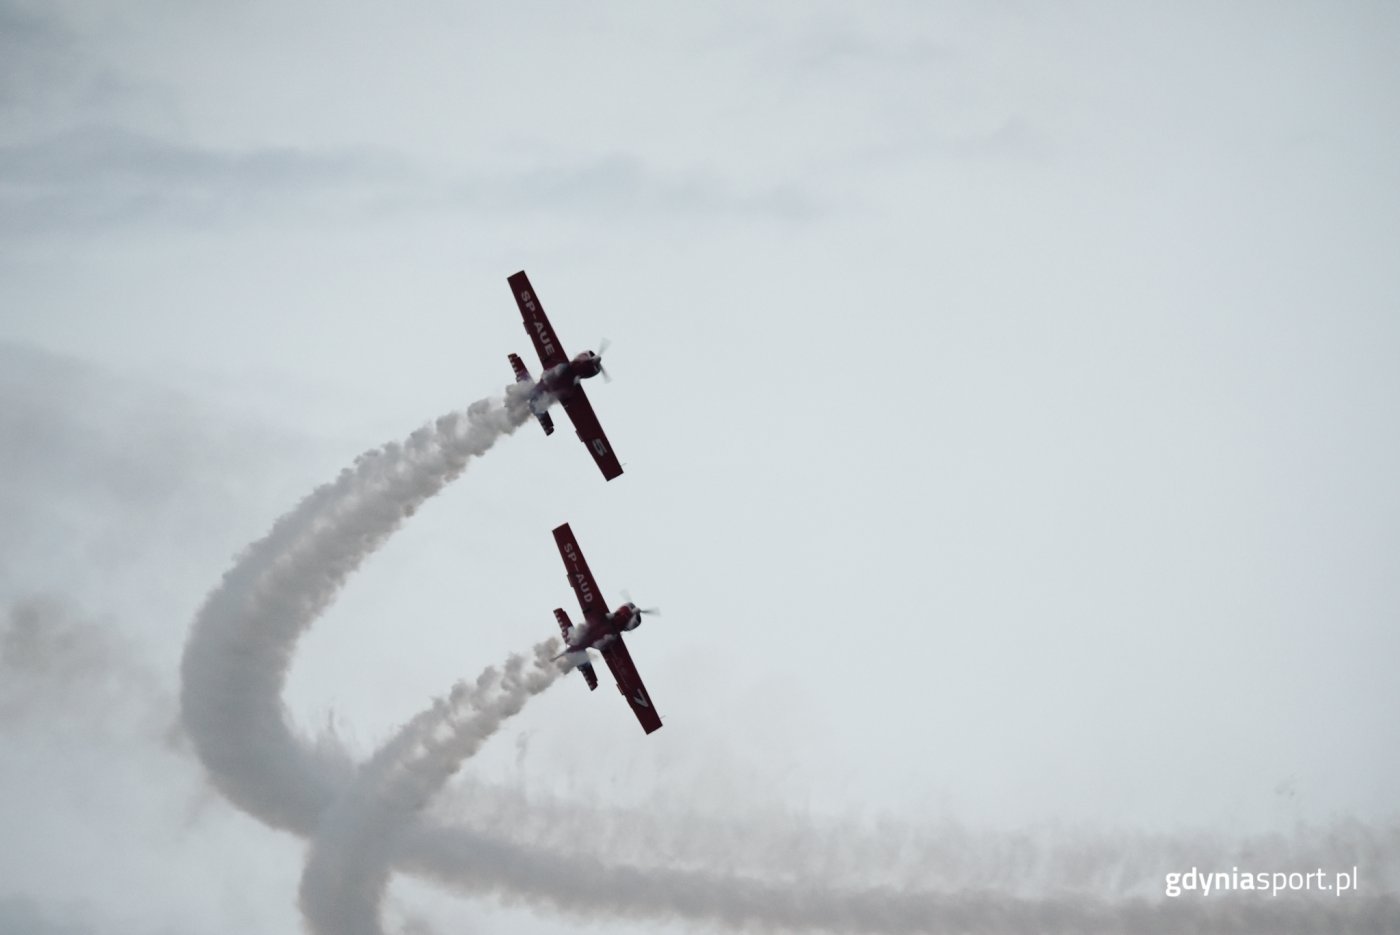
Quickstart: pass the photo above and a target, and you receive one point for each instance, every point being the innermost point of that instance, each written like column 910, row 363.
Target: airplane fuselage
column 598, row 630
column 559, row 381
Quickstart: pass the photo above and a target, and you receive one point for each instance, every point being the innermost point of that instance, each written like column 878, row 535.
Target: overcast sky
column 1008, row 398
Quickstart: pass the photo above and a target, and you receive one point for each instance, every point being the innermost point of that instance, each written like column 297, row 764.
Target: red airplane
column 602, row 631
column 560, row 378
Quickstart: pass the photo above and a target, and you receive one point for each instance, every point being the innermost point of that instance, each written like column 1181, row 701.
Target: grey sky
column 1007, row 395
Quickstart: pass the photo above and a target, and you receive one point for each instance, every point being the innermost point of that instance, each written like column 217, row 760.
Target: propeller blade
column 627, row 596
column 602, row 349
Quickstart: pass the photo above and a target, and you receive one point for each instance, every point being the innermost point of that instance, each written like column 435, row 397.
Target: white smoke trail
column 350, row 860
column 896, row 852
column 235, row 667
column 601, row 888
column 240, row 648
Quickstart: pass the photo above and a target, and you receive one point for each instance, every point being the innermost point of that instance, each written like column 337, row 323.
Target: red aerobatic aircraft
column 560, row 378
column 602, row 631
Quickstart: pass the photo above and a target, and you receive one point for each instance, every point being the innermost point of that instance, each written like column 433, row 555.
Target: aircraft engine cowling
column 628, row 617
column 588, row 364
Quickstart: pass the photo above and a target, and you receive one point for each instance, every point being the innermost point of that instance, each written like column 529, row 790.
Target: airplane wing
column 590, row 432
column 580, row 578
column 619, row 660
column 536, row 324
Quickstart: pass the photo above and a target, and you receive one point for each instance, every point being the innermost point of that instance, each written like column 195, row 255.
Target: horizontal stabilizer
column 589, row 675
column 564, row 623
column 522, row 375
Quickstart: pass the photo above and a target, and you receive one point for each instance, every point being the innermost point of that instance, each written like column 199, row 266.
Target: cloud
column 20, row 915
column 618, row 183
column 60, row 668
column 102, row 178
column 54, row 75
column 102, row 470
column 35, row 49
column 96, row 178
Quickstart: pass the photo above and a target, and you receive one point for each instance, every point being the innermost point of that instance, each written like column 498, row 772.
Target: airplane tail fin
column 586, row 668
column 522, row 375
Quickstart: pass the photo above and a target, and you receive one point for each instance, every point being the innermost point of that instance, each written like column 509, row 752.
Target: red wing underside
column 619, row 660
column 536, row 324
column 590, row 432
column 580, row 578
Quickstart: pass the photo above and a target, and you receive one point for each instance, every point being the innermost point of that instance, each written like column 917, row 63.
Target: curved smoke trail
column 235, row 666
column 240, row 648
column 350, row 861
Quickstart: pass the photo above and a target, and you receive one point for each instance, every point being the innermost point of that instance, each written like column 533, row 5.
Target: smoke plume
column 366, row 820
column 348, row 867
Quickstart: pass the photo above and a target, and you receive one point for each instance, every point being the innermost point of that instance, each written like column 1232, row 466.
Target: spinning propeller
column 602, row 346
column 656, row 611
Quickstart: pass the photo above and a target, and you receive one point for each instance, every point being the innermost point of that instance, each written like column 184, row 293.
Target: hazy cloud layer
column 61, row 670
column 106, row 179
column 21, row 916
